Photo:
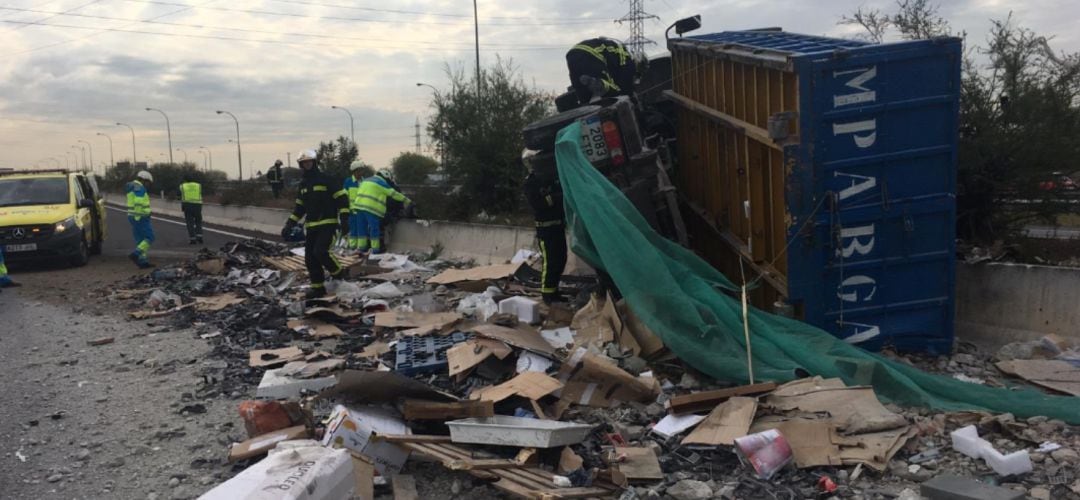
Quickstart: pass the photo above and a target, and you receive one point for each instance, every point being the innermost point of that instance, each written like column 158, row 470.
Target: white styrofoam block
column 966, row 440
column 276, row 386
column 526, row 310
column 294, row 470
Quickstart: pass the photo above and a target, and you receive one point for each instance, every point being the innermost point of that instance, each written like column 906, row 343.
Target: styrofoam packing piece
column 559, row 337
column 502, row 430
column 526, row 310
column 383, row 291
column 530, row 362
column 966, row 440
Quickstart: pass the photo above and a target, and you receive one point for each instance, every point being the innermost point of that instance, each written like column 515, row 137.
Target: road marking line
column 207, row 229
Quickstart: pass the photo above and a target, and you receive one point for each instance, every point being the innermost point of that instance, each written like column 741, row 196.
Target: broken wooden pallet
column 295, row 263
column 505, row 474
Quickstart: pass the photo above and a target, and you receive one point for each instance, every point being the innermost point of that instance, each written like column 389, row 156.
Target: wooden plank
column 419, row 409
column 707, row 400
column 410, row 438
column 561, row 493
column 482, row 464
column 750, row 130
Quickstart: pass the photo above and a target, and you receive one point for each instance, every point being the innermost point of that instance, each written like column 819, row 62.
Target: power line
column 17, row 28
column 96, row 33
column 265, row 32
column 99, row 30
column 437, row 14
column 358, row 19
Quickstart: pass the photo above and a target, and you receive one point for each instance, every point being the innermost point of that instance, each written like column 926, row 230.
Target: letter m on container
column 849, row 213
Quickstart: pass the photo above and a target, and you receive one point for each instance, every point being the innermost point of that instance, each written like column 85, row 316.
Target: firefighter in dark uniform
column 545, row 198
column 326, row 207
column 600, row 67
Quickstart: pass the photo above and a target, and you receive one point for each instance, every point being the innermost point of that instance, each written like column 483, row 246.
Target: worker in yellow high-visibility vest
column 138, row 212
column 191, row 204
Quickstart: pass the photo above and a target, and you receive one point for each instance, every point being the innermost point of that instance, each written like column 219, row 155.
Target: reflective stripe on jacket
column 319, row 200
column 191, row 192
column 352, row 188
column 373, row 194
column 138, row 200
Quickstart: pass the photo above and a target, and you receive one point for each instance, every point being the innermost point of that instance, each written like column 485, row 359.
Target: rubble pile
column 440, row 361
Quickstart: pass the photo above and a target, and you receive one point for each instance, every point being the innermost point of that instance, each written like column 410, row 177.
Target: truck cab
column 51, row 215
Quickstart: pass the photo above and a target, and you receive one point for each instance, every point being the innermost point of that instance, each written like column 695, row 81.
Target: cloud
column 281, row 73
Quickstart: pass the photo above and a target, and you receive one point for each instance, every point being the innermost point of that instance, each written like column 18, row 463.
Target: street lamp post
column 134, row 158
column 239, row 156
column 203, row 154
column 476, row 27
column 67, row 164
column 185, row 154
column 91, row 148
column 82, row 154
column 352, row 128
column 442, row 156
column 168, row 130
column 209, row 154
column 112, row 160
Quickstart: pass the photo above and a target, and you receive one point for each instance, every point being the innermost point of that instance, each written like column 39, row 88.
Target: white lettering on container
column 862, row 141
column 857, row 83
column 859, row 184
column 868, row 333
column 862, row 282
column 853, row 234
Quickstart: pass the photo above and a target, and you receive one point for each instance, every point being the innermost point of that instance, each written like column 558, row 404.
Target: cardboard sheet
column 264, row 358
column 374, row 350
column 730, row 420
column 311, row 369
column 398, row 319
column 816, row 442
column 530, row 340
column 315, row 328
column 593, row 381
column 482, row 273
column 854, row 410
column 353, row 428
column 1052, row 374
column 335, row 313
column 464, row 356
column 640, row 464
column 531, row 385
column 217, row 302
column 381, row 387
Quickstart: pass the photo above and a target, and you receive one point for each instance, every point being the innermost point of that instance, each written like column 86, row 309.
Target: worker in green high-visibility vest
column 191, row 204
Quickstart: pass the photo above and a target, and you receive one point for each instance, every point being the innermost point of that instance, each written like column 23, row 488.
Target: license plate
column 29, row 247
column 592, row 140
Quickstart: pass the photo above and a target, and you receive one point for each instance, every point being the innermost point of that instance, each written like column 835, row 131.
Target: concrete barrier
column 1001, row 303
column 995, row 304
column 486, row 244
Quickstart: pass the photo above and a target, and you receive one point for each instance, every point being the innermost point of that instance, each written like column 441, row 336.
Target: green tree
column 334, row 157
column 480, row 135
column 1019, row 119
column 413, row 168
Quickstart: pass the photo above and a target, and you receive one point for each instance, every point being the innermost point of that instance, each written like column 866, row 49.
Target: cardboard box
column 294, row 470
column 352, row 428
column 259, row 445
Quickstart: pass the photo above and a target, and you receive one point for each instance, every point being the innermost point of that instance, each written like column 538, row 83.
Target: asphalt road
column 82, row 421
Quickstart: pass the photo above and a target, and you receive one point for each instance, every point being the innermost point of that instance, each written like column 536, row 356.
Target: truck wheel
column 540, row 135
column 80, row 259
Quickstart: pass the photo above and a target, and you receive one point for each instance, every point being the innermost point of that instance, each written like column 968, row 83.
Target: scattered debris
column 100, row 341
column 294, row 470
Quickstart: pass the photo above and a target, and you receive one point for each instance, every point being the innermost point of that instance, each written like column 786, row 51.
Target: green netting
column 683, row 299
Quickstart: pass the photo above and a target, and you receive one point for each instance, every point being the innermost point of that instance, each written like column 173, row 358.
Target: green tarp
column 696, row 311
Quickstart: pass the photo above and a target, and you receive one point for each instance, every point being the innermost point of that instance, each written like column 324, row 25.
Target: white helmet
column 356, row 165
column 144, row 175
column 385, row 173
column 306, row 155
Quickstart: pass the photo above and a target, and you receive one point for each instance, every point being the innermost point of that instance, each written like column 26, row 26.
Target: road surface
column 78, row 421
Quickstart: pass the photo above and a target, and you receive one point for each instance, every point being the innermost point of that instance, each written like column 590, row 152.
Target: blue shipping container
column 828, row 168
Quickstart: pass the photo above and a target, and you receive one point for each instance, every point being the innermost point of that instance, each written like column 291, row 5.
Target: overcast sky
column 80, row 66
